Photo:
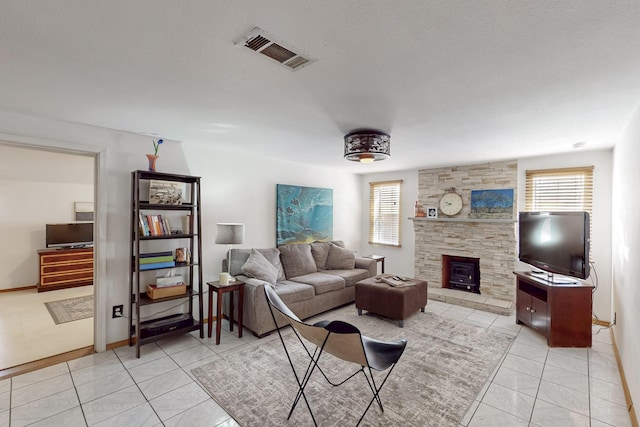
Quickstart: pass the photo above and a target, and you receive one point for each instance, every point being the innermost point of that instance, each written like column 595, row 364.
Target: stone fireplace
column 489, row 245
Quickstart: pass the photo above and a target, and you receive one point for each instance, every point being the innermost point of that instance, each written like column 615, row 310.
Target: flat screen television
column 77, row 234
column 555, row 242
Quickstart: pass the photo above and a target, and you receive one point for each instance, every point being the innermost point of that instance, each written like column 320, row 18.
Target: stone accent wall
column 493, row 241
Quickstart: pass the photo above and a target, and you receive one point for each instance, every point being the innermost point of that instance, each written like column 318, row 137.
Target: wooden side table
column 219, row 291
column 377, row 258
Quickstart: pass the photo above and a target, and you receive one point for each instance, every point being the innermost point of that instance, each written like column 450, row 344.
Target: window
column 569, row 189
column 384, row 213
column 559, row 189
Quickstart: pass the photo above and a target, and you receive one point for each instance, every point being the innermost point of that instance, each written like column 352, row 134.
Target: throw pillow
column 320, row 252
column 257, row 266
column 297, row 259
column 341, row 259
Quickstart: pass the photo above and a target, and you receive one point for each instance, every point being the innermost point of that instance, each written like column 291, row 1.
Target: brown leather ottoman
column 397, row 303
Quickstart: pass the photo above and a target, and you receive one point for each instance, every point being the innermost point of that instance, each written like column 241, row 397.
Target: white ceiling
column 454, row 82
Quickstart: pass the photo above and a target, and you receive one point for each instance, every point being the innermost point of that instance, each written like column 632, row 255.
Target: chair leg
column 375, row 390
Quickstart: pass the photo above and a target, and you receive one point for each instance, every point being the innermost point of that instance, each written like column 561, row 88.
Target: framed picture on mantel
column 432, row 212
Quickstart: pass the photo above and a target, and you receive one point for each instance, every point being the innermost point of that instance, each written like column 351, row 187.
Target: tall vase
column 152, row 161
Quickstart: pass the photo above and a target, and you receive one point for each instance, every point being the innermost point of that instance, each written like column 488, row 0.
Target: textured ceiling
column 453, row 82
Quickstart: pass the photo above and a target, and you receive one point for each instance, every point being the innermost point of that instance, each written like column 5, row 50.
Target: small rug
column 70, row 309
column 442, row 370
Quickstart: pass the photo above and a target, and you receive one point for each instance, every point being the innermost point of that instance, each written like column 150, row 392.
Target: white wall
column 397, row 260
column 243, row 189
column 34, row 192
column 626, row 252
column 602, row 160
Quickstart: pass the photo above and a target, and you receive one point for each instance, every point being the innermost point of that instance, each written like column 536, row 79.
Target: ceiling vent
column 262, row 42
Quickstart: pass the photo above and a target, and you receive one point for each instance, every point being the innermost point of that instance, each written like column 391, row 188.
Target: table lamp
column 229, row 234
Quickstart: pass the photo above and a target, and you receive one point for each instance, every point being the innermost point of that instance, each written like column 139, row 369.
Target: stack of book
column 154, row 225
column 154, row 260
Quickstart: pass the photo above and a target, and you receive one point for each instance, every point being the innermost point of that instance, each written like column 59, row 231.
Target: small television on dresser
column 72, row 235
column 556, row 243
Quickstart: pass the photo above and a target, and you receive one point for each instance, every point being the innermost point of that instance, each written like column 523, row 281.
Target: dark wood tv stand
column 562, row 313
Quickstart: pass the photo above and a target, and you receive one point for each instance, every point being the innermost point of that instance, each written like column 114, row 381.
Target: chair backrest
column 340, row 339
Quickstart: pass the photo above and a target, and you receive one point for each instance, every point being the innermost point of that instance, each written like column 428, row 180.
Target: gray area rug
column 444, row 367
column 70, row 309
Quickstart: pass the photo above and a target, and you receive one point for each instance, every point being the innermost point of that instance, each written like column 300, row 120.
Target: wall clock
column 451, row 203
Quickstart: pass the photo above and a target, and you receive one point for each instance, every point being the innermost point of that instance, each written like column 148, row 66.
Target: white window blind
column 568, row 189
column 385, row 211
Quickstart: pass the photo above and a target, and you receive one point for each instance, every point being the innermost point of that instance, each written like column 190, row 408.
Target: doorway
column 29, row 179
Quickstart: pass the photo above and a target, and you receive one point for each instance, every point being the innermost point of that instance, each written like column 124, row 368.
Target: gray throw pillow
column 340, row 259
column 259, row 267
column 320, row 252
column 297, row 259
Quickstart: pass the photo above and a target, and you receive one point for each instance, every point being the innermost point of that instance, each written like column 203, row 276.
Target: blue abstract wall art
column 303, row 214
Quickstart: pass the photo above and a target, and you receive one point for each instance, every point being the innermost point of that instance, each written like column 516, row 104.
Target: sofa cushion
column 321, row 282
column 351, row 277
column 297, row 260
column 340, row 259
column 320, row 253
column 240, row 256
column 259, row 267
column 292, row 292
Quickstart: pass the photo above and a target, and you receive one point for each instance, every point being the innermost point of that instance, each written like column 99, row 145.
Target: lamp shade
column 230, row 233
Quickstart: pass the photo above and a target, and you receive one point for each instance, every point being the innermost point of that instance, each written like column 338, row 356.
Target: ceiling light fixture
column 367, row 146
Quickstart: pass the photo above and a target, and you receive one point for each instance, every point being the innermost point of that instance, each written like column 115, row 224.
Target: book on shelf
column 155, row 265
column 155, row 254
column 156, row 259
column 154, row 225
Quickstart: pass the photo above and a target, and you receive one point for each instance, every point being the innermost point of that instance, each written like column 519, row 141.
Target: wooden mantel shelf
column 495, row 220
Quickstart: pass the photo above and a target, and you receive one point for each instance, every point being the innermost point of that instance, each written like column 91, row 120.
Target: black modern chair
column 341, row 340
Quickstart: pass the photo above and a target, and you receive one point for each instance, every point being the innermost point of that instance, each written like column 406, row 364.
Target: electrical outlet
column 117, row 311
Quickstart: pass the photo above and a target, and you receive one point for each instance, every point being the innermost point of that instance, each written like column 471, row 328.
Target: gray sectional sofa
column 310, row 279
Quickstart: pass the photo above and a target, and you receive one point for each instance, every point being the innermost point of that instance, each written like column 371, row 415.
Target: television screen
column 76, row 234
column 556, row 242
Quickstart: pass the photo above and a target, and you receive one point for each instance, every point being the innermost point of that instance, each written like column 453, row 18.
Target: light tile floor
column 532, row 386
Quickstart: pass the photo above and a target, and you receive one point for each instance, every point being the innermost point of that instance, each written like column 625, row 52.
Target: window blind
column 567, row 189
column 385, row 205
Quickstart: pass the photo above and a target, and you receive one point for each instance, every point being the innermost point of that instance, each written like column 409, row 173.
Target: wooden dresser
column 65, row 268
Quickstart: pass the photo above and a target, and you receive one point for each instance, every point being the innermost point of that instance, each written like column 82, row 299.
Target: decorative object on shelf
column 492, row 204
column 451, row 202
column 165, row 192
column 152, row 162
column 153, row 157
column 419, row 210
column 182, row 255
column 229, row 233
column 432, row 212
column 367, row 146
column 303, row 214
